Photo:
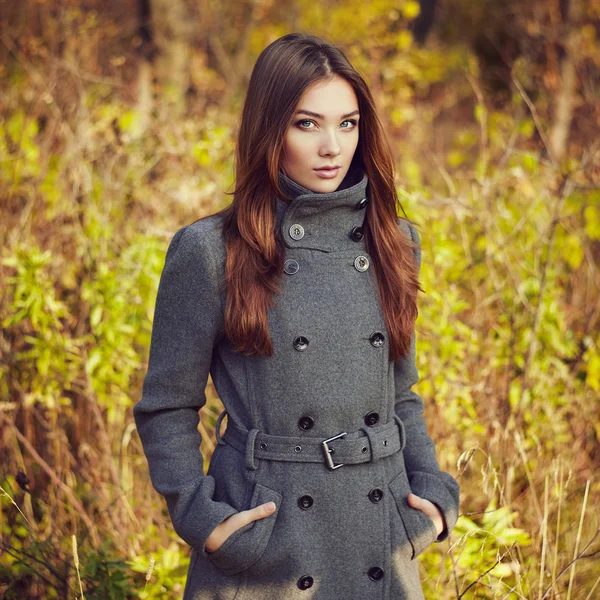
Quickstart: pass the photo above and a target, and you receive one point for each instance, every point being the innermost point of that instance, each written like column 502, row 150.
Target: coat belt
column 366, row 444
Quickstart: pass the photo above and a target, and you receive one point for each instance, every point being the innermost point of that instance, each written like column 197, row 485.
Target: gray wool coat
column 339, row 532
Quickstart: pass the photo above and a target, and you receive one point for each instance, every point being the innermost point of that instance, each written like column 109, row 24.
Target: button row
column 301, row 342
column 306, row 500
column 297, row 232
column 291, row 266
column 307, row 422
column 306, row 581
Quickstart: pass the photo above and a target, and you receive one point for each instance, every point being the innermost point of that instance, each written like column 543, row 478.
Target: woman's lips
column 327, row 173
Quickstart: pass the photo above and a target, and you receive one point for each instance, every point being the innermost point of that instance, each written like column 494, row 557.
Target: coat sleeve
column 186, row 321
column 424, row 474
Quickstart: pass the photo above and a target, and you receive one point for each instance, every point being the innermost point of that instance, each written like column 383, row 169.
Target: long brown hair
column 255, row 251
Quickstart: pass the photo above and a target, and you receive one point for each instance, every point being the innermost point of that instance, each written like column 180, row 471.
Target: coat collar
column 326, row 220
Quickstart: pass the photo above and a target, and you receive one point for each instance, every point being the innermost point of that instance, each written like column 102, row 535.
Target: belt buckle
column 329, row 450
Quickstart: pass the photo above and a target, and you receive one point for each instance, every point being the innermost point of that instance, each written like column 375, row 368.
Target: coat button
column 375, row 573
column 375, row 495
column 305, row 582
column 301, row 343
column 357, row 234
column 305, row 501
column 363, row 203
column 377, row 339
column 371, row 418
column 296, row 231
column 306, row 423
column 361, row 263
column 291, row 266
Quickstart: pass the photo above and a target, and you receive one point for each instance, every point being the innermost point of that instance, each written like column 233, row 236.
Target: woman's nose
column 330, row 145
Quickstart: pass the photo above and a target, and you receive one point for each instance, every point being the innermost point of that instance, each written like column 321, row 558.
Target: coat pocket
column 247, row 544
column 420, row 529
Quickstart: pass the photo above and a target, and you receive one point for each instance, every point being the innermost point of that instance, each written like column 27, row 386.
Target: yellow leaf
column 592, row 222
column 573, row 251
column 410, row 9
column 96, row 315
column 455, row 158
column 514, row 393
column 593, row 373
column 504, row 570
column 404, row 40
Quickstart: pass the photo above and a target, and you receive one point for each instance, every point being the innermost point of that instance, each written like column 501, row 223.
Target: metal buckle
column 328, row 451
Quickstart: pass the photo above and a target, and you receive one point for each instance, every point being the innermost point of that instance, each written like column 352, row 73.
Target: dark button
column 376, row 494
column 305, row 501
column 301, row 343
column 306, row 422
column 291, row 266
column 377, row 339
column 357, row 234
column 305, row 582
column 371, row 418
column 375, row 573
column 363, row 203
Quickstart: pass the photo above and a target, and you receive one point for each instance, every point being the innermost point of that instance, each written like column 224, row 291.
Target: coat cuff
column 201, row 520
column 222, row 512
column 443, row 490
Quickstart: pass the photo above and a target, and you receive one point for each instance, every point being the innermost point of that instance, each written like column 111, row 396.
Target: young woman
column 300, row 300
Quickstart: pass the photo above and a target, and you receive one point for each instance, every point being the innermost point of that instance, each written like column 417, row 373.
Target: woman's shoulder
column 412, row 234
column 197, row 250
column 201, row 236
column 206, row 229
column 409, row 229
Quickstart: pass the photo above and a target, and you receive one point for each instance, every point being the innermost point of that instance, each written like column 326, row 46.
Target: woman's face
column 323, row 133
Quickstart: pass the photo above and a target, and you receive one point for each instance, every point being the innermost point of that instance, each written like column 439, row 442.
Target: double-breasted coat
column 338, row 532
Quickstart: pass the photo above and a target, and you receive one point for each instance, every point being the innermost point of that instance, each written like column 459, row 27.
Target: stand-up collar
column 330, row 221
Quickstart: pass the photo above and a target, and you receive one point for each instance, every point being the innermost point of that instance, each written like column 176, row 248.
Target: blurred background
column 117, row 127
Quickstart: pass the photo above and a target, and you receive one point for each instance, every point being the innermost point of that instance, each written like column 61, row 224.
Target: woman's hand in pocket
column 231, row 524
column 430, row 509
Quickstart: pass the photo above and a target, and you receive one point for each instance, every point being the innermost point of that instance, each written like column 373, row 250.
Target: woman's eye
column 352, row 122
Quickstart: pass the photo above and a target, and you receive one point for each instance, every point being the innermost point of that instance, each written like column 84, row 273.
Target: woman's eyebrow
column 318, row 116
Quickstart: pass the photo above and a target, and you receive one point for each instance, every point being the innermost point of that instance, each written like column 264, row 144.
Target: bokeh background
column 117, row 127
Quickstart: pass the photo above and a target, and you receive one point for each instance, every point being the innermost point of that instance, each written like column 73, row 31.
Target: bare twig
column 578, row 539
column 544, row 537
column 567, row 566
column 498, row 561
